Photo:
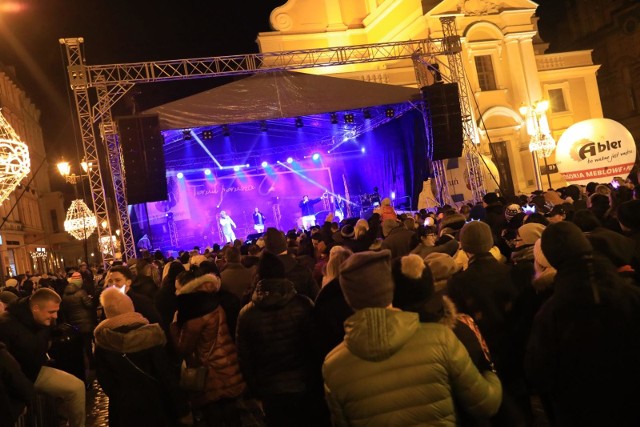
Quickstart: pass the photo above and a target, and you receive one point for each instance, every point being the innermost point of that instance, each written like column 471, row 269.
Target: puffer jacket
column 272, row 337
column 77, row 308
column 391, row 370
column 201, row 335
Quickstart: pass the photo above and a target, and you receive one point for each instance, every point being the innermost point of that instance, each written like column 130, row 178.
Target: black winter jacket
column 78, row 310
column 272, row 339
column 26, row 340
column 16, row 390
column 300, row 276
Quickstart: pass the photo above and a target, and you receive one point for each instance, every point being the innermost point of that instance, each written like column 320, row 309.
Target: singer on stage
column 258, row 221
column 306, row 208
column 226, row 223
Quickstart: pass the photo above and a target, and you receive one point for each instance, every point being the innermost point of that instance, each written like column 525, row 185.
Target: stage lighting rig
column 334, row 118
column 186, row 134
column 299, row 123
column 207, row 134
column 389, row 112
column 349, row 118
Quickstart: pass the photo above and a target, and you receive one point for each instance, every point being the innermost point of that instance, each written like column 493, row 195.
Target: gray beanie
column 365, row 279
column 476, row 237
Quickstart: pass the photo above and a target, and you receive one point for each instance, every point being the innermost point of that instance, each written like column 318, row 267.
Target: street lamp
column 541, row 143
column 80, row 222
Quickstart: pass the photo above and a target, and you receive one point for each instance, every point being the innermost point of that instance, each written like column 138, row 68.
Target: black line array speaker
column 442, row 103
column 143, row 158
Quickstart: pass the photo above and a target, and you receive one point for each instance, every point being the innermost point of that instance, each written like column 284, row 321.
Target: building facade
column 503, row 57
column 32, row 216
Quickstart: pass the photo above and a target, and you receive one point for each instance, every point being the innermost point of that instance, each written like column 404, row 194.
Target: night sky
column 117, row 31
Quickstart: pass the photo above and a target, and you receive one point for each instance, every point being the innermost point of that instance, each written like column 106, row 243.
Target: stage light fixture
column 349, row 118
column 289, row 160
column 180, row 175
column 265, row 164
column 299, row 123
column 236, row 168
column 363, row 150
column 389, row 112
column 186, row 134
column 316, row 156
column 225, row 130
column 207, row 134
column 367, row 114
column 334, row 118
column 263, row 126
column 207, row 172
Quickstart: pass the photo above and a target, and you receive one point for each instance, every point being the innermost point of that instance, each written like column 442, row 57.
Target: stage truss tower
column 96, row 89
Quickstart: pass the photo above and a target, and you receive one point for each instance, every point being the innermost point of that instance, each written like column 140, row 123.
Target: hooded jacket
column 133, row 370
column 272, row 337
column 391, row 370
column 26, row 340
column 202, row 336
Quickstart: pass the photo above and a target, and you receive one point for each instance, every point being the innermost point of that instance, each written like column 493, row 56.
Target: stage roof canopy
column 282, row 94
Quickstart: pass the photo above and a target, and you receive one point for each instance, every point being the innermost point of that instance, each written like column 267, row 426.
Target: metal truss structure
column 96, row 89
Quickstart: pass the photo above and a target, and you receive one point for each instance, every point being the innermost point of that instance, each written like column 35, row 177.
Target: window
column 486, row 76
column 54, row 221
column 556, row 100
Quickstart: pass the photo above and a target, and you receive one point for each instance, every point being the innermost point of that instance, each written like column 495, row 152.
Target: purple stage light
column 207, row 172
column 316, row 156
column 265, row 164
column 363, row 150
column 180, row 175
column 236, row 168
column 289, row 160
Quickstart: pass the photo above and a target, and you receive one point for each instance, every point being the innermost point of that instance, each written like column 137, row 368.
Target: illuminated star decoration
column 14, row 159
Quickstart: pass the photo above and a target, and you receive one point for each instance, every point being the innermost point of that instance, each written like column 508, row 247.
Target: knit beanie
column 75, row 279
column 274, row 241
column 442, row 266
column 270, row 266
column 413, row 281
column 115, row 302
column 11, row 283
column 7, row 297
column 365, row 279
column 629, row 214
column 511, row 211
column 476, row 237
column 562, row 242
column 530, row 232
column 348, row 232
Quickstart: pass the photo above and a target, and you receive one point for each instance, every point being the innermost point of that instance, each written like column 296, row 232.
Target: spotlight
column 349, row 118
column 363, row 150
column 265, row 164
column 389, row 112
column 334, row 118
column 236, row 168
column 393, row 195
column 299, row 123
column 316, row 156
column 289, row 160
column 367, row 114
column 263, row 126
column 207, row 172
column 180, row 175
column 207, row 134
column 186, row 134
column 225, row 130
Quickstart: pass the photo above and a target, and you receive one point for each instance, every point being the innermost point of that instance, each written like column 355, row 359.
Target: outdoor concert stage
column 235, row 149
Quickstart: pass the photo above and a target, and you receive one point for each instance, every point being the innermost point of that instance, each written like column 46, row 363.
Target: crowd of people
column 461, row 316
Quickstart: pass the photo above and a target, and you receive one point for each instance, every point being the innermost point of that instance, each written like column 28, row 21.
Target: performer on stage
column 375, row 197
column 144, row 244
column 308, row 216
column 340, row 208
column 226, row 223
column 258, row 221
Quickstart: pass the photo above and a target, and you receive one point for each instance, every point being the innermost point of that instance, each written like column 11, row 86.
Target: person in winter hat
column 364, row 376
column 584, row 346
column 133, row 369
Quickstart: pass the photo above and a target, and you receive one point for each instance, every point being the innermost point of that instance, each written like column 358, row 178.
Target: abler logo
column 594, row 148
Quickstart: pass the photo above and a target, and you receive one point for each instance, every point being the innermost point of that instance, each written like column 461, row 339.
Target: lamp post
column 80, row 222
column 541, row 143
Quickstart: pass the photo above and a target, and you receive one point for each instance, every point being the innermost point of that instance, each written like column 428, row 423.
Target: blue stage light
column 236, row 168
column 363, row 150
column 265, row 164
column 180, row 175
column 316, row 156
column 207, row 172
column 289, row 160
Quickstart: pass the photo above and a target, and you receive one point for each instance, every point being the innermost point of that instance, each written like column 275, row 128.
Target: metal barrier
column 41, row 414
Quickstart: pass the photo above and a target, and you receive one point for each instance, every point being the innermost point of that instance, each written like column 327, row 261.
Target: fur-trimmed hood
column 206, row 283
column 440, row 309
column 128, row 333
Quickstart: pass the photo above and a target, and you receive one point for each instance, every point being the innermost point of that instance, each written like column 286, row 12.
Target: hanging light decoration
column 14, row 159
column 80, row 221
